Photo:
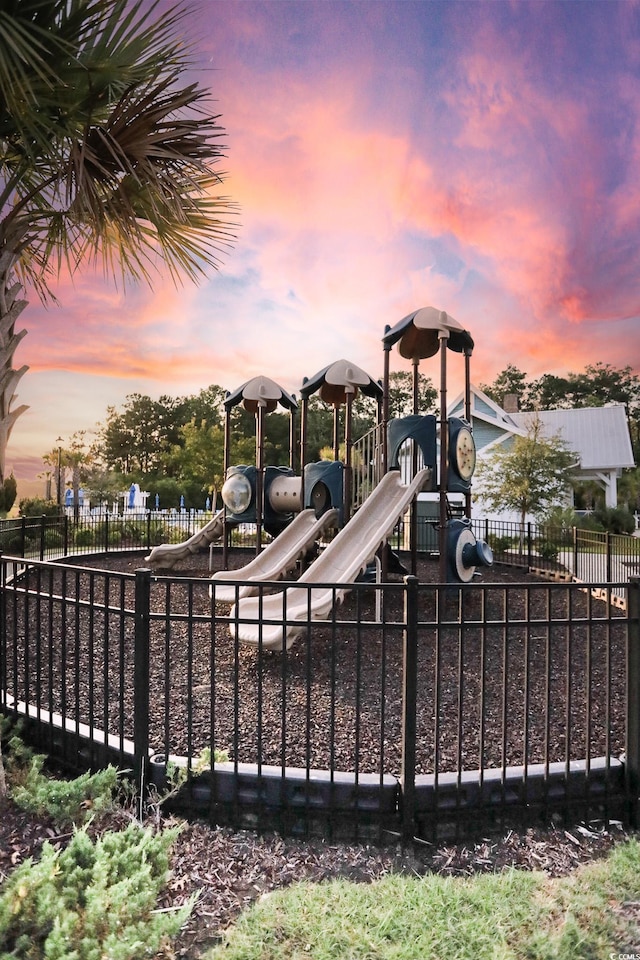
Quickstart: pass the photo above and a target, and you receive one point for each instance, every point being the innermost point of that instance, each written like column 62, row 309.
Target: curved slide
column 166, row 554
column 341, row 562
column 278, row 557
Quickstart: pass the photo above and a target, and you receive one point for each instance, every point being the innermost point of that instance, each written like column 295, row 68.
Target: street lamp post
column 59, row 490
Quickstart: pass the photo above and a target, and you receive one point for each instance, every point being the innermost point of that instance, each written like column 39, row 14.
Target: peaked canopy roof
column 418, row 334
column 260, row 392
column 337, row 380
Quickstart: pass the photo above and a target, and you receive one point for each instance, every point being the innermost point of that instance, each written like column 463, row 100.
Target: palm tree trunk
column 11, row 306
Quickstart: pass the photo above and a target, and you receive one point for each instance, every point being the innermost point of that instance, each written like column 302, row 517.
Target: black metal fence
column 52, row 537
column 413, row 709
column 588, row 555
column 584, row 554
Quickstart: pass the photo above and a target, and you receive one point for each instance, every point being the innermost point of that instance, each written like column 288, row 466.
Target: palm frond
column 117, row 160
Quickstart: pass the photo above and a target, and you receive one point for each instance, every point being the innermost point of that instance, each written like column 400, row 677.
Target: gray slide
column 340, row 563
column 165, row 555
column 278, row 558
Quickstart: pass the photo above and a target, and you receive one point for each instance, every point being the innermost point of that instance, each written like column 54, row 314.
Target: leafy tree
column 103, row 486
column 529, row 476
column 549, row 392
column 106, row 153
column 8, row 493
column 137, row 438
column 207, row 406
column 319, row 427
column 511, row 380
column 401, row 394
column 599, row 384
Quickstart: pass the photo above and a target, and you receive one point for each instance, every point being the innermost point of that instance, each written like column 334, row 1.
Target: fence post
column 148, row 529
column 23, row 538
column 142, row 610
column 106, row 531
column 3, row 639
column 632, row 745
column 529, row 543
column 66, row 535
column 43, row 521
column 608, row 546
column 575, row 552
column 409, row 707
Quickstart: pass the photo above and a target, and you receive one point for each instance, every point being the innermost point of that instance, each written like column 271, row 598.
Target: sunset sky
column 479, row 157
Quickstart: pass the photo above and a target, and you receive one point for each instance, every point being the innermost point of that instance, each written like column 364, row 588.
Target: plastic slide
column 165, row 555
column 251, row 619
column 278, row 557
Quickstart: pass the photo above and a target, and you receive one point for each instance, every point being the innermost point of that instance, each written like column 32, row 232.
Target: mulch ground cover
column 537, row 672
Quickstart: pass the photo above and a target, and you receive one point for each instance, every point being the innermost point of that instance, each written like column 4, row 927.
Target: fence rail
column 584, row 554
column 65, row 536
column 413, row 710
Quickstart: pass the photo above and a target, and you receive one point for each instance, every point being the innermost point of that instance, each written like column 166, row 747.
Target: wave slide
column 165, row 555
column 251, row 619
column 278, row 558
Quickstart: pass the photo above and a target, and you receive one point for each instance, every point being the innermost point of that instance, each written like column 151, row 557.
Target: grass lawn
column 591, row 915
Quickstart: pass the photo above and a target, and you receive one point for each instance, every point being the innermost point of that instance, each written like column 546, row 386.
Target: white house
column 599, row 436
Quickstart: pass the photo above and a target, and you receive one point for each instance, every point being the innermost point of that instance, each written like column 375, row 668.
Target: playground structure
column 405, row 457
column 401, row 714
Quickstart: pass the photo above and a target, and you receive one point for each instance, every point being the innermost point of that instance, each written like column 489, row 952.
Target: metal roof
column 599, row 435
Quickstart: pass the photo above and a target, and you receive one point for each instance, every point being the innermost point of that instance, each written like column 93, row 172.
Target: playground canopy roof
column 418, row 334
column 260, row 391
column 337, row 380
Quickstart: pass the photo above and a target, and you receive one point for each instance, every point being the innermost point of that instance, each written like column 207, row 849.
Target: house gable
column 489, row 421
column 599, row 436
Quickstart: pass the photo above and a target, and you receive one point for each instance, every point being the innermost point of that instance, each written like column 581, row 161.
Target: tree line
column 173, row 447
column 596, row 386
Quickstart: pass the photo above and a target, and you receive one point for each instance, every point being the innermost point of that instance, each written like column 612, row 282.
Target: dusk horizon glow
column 480, row 157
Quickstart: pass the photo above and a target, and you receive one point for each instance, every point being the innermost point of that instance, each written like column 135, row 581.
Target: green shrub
column 53, row 539
column 66, row 801
column 92, row 900
column 547, row 549
column 35, row 507
column 11, row 543
column 84, row 537
column 499, row 544
column 159, row 534
column 587, row 521
column 8, row 493
column 615, row 519
column 114, row 533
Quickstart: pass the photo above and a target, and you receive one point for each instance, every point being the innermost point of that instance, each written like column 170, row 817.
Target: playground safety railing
column 366, row 465
column 413, row 709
